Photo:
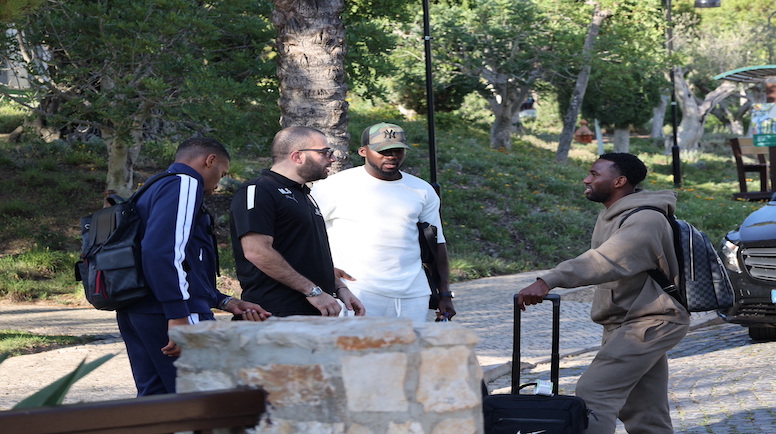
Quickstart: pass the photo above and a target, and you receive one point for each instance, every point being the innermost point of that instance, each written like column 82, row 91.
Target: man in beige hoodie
column 628, row 379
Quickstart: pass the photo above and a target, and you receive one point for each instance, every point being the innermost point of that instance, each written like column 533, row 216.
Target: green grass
column 519, row 210
column 17, row 343
column 503, row 212
column 10, row 117
column 38, row 274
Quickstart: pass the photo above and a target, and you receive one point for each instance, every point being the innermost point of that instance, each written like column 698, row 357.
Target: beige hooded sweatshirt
column 619, row 258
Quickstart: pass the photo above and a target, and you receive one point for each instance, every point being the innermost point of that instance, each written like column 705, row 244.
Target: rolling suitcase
column 522, row 413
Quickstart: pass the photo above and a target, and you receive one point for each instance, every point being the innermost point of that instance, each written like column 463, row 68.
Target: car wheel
column 762, row 333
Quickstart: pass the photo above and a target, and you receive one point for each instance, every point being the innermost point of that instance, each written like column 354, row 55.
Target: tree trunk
column 504, row 103
column 501, row 129
column 694, row 110
column 123, row 141
column 119, row 178
column 311, row 53
column 38, row 123
column 728, row 120
column 505, row 97
column 658, row 118
column 732, row 114
column 123, row 150
column 575, row 104
column 621, row 139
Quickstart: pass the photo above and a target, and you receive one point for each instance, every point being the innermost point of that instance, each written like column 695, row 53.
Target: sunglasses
column 326, row 151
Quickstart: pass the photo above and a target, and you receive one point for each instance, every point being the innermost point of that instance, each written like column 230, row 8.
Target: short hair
column 628, row 165
column 197, row 146
column 290, row 139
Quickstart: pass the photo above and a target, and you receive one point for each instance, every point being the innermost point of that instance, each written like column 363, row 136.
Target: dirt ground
column 21, row 376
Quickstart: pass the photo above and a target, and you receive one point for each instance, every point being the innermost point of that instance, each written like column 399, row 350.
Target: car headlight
column 729, row 254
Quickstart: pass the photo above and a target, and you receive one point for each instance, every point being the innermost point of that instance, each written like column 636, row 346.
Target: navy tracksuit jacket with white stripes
column 180, row 265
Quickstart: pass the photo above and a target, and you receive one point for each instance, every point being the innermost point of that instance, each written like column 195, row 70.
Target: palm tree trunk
column 311, row 48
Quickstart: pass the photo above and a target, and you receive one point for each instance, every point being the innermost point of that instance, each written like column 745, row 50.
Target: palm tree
column 311, row 53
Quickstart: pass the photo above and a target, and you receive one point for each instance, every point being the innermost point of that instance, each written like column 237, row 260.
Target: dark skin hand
column 445, row 308
column 532, row 294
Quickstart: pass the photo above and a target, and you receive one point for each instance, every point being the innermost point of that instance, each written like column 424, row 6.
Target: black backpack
column 704, row 284
column 427, row 236
column 110, row 266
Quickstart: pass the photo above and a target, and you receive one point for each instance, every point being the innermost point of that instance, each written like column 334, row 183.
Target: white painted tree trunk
column 621, row 139
column 658, row 118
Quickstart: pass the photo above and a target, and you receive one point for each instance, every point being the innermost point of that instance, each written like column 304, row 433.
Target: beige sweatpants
column 628, row 378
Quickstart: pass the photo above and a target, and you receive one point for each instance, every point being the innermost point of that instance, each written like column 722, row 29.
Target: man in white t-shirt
column 371, row 215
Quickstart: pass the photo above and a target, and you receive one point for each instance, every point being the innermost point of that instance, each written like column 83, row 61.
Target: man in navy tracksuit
column 179, row 263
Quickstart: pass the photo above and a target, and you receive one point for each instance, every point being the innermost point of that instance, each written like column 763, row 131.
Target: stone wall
column 341, row 375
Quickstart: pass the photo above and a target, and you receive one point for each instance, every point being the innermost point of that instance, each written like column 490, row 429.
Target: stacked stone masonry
column 341, row 375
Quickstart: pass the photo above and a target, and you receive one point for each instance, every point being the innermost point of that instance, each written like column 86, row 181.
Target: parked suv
column 749, row 253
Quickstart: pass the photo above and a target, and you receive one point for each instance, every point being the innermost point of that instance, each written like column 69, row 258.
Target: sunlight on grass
column 38, row 274
column 16, row 343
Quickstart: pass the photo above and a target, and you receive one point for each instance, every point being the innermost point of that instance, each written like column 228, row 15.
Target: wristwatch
column 315, row 292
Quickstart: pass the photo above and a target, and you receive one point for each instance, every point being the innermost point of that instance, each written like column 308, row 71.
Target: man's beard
column 383, row 173
column 594, row 196
column 311, row 171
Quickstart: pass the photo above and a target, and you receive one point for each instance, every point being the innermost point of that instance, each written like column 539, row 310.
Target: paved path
column 721, row 382
column 485, row 306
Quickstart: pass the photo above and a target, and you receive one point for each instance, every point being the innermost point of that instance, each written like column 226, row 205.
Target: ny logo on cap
column 389, row 134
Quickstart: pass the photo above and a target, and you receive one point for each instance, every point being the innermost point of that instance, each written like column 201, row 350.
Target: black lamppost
column 432, row 158
column 675, row 158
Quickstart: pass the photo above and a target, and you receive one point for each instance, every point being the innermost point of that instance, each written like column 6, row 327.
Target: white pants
column 415, row 308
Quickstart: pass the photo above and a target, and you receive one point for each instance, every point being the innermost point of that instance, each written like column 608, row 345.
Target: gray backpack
column 704, row 284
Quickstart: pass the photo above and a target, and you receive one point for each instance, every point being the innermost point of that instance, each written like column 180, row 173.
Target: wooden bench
column 743, row 147
column 200, row 412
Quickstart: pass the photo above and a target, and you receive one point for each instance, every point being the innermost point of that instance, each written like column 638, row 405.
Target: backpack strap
column 114, row 199
column 657, row 274
column 104, row 223
column 653, row 208
column 150, row 181
column 428, row 242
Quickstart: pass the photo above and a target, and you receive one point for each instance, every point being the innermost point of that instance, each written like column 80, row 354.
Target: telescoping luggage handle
column 555, row 356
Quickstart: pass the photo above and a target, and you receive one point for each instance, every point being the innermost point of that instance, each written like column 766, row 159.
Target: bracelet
column 447, row 294
column 336, row 291
column 224, row 302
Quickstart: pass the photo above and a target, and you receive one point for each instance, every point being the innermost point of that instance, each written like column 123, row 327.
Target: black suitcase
column 516, row 413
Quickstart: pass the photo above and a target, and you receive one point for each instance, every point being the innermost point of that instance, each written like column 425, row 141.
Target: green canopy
column 750, row 74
